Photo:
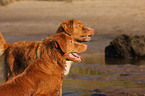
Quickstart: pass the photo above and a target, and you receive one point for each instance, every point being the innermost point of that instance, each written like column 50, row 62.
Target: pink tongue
column 75, row 56
column 85, row 37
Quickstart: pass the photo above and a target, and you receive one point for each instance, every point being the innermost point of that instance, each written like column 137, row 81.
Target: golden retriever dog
column 14, row 66
column 43, row 77
column 76, row 29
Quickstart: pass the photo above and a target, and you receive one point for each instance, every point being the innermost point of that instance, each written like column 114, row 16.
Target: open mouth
column 75, row 56
column 86, row 36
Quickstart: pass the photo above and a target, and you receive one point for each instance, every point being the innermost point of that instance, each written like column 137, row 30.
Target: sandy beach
column 44, row 17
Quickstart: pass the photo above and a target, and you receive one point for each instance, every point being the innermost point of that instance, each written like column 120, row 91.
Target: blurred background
column 94, row 76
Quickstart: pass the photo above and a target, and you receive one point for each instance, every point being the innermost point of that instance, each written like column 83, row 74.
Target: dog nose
column 92, row 31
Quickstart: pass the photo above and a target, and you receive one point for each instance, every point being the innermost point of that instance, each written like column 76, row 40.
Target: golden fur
column 44, row 76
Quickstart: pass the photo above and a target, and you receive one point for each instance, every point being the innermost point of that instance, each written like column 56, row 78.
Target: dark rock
column 126, row 46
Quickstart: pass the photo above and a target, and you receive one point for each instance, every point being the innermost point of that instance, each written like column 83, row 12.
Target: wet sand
column 95, row 76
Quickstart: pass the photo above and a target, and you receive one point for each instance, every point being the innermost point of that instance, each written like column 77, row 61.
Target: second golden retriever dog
column 76, row 29
column 43, row 77
column 15, row 66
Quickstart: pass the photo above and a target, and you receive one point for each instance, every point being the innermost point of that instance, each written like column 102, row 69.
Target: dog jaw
column 75, row 57
column 77, row 48
column 83, row 36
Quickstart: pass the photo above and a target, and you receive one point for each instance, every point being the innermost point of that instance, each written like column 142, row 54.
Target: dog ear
column 67, row 26
column 61, row 43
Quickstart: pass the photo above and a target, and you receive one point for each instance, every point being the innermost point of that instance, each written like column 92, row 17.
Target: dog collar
column 67, row 33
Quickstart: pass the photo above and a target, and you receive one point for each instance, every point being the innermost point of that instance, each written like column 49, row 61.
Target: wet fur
column 43, row 77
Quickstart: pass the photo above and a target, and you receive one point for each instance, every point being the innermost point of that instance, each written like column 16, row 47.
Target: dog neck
column 53, row 54
column 60, row 29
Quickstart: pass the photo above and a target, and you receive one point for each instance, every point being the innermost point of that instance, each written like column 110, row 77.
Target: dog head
column 69, row 46
column 76, row 29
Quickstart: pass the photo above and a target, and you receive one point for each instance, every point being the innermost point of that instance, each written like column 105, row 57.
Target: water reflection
column 91, row 74
column 99, row 58
column 83, row 69
column 116, row 61
column 93, row 58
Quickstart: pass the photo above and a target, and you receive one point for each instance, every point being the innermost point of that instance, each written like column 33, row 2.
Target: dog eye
column 71, row 41
column 79, row 25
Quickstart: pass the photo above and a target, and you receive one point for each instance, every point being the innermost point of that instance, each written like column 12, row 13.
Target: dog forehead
column 78, row 23
column 68, row 21
column 73, row 21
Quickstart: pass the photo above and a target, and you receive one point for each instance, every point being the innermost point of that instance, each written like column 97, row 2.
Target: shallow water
column 88, row 76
